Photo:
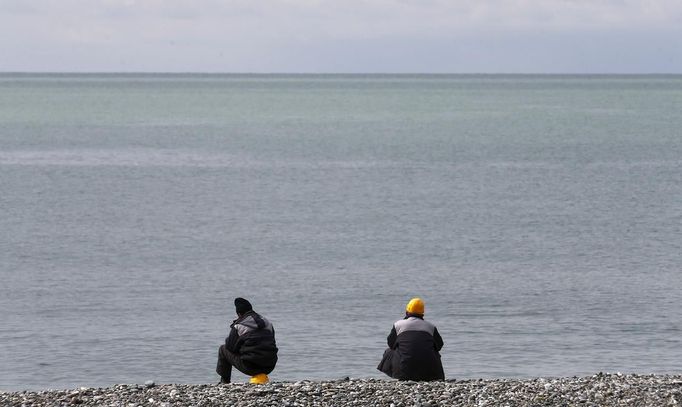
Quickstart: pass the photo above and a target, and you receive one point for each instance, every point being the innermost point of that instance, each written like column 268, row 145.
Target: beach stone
column 597, row 390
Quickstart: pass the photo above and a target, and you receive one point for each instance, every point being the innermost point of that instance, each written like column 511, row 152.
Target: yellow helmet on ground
column 260, row 378
column 415, row 306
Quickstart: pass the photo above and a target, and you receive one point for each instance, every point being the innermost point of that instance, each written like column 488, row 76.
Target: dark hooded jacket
column 413, row 353
column 252, row 337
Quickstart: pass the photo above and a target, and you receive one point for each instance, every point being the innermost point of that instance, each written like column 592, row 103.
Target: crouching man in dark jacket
column 413, row 347
column 250, row 346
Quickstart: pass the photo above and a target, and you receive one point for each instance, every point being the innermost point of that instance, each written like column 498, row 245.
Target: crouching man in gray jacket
column 250, row 346
column 413, row 347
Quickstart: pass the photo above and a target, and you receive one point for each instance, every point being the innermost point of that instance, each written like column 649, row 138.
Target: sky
column 342, row 36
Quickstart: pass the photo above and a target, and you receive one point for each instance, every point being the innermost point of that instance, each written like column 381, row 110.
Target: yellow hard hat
column 260, row 378
column 415, row 306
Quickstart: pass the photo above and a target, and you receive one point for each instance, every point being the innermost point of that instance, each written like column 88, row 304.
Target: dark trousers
column 227, row 359
column 388, row 366
column 423, row 370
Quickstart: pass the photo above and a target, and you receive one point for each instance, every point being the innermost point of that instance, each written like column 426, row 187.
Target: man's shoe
column 222, row 381
column 260, row 378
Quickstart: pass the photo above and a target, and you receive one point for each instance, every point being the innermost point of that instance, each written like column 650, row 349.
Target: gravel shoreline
column 597, row 390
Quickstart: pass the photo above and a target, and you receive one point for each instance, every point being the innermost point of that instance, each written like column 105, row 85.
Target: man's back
column 417, row 343
column 253, row 337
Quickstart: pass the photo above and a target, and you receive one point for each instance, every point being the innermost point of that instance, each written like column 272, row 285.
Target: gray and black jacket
column 413, row 353
column 252, row 337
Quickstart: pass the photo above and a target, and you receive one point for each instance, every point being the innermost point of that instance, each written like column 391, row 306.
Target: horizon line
column 341, row 73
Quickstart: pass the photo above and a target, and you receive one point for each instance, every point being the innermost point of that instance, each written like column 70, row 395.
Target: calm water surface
column 540, row 217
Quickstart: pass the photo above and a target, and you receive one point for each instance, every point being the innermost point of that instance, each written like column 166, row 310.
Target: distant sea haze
column 539, row 217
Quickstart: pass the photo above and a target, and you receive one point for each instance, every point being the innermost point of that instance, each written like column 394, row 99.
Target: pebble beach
column 596, row 390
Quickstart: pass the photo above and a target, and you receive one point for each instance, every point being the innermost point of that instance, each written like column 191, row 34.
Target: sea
column 538, row 216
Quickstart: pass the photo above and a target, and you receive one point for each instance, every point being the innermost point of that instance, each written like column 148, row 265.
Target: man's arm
column 231, row 340
column 438, row 341
column 392, row 338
